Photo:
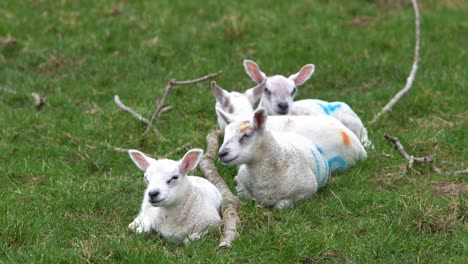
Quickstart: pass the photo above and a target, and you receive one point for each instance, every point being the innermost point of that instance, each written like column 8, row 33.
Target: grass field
column 67, row 196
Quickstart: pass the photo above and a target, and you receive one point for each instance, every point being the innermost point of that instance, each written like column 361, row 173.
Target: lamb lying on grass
column 280, row 91
column 335, row 141
column 277, row 168
column 180, row 208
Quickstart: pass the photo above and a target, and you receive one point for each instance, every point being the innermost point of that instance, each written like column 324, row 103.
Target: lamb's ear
column 260, row 118
column 190, row 160
column 220, row 94
column 252, row 69
column 140, row 159
column 227, row 117
column 303, row 75
column 253, row 94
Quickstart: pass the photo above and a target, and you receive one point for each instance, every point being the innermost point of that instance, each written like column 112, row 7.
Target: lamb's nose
column 153, row 194
column 283, row 106
column 223, row 153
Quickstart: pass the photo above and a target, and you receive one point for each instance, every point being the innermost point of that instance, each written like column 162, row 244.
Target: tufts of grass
column 68, row 196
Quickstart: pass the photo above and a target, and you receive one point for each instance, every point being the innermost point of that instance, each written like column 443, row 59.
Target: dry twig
column 39, row 100
column 410, row 79
column 230, row 202
column 167, row 90
column 137, row 116
column 428, row 160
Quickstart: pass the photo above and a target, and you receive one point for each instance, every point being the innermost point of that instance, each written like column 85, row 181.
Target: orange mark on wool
column 345, row 137
column 244, row 126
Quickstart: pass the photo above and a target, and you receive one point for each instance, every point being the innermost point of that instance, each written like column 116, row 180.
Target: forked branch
column 133, row 113
column 428, row 160
column 167, row 90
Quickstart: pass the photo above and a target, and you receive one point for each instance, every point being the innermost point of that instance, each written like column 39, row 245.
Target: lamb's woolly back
column 339, row 110
column 276, row 169
column 280, row 91
column 334, row 140
column 177, row 206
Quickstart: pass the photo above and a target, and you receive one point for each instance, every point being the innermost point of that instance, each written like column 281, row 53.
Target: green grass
column 68, row 196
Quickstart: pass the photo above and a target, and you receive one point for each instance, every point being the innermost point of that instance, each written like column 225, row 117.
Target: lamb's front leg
column 137, row 224
column 240, row 181
column 142, row 223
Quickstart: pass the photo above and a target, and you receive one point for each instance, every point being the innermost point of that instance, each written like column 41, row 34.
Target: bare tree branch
column 428, row 160
column 167, row 90
column 230, row 202
column 137, row 116
column 410, row 79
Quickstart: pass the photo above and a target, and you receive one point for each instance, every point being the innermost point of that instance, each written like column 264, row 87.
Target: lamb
column 277, row 169
column 180, row 208
column 280, row 91
column 335, row 141
column 238, row 104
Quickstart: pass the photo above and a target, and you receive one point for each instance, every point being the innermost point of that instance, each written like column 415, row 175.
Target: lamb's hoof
column 135, row 225
column 283, row 204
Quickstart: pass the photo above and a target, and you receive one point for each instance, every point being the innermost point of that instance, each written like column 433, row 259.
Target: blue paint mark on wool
column 329, row 108
column 322, row 177
column 320, row 150
column 337, row 164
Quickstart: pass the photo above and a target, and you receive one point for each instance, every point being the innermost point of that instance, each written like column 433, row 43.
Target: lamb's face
column 164, row 183
column 278, row 95
column 239, row 143
column 238, row 105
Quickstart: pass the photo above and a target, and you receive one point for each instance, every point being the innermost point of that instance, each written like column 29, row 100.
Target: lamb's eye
column 245, row 136
column 175, row 177
column 268, row 92
column 146, row 178
column 294, row 91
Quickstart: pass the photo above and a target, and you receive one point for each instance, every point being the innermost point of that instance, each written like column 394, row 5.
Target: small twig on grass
column 137, row 116
column 342, row 205
column 428, row 160
column 39, row 100
column 410, row 79
column 461, row 172
column 167, row 90
column 230, row 202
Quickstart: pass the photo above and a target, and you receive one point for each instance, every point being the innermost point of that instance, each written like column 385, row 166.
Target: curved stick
column 410, row 79
column 230, row 202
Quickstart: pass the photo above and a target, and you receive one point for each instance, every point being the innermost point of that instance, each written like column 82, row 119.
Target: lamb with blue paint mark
column 280, row 91
column 180, row 208
column 277, row 169
column 336, row 142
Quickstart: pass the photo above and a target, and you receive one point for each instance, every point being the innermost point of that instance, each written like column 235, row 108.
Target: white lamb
column 277, row 168
column 280, row 91
column 180, row 208
column 238, row 104
column 335, row 141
